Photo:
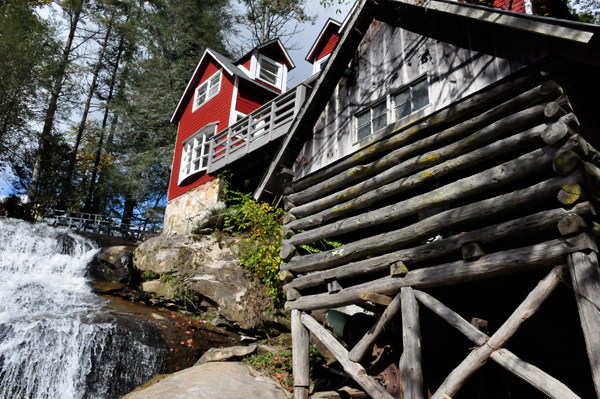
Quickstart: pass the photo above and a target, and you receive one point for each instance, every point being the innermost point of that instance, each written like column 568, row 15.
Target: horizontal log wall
column 485, row 177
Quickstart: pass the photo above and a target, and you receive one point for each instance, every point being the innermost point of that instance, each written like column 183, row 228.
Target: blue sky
column 304, row 41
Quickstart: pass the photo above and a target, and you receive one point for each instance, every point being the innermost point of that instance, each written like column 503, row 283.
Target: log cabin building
column 445, row 164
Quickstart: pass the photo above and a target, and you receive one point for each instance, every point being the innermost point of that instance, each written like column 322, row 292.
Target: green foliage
column 259, row 251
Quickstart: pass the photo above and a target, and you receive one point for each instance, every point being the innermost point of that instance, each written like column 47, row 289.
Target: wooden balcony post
column 300, row 356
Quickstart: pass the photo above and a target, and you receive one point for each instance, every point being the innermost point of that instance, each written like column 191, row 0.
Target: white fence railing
column 101, row 224
column 258, row 128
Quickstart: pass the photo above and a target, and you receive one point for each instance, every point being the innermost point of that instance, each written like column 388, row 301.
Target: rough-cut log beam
column 522, row 167
column 571, row 121
column 300, row 357
column 375, row 298
column 533, row 223
column 570, row 193
column 369, row 196
column 477, row 358
column 556, row 132
column 585, row 277
column 593, row 173
column 547, row 91
column 527, row 372
column 287, row 251
column 387, row 168
column 565, row 162
column 285, row 276
column 356, row 371
column 436, row 224
column 410, row 362
column 571, row 223
column 366, row 343
column 546, row 254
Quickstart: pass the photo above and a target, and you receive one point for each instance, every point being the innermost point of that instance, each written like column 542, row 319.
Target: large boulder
column 204, row 263
column 220, row 380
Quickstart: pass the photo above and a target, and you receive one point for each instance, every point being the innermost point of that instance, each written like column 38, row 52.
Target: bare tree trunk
column 73, row 159
column 113, row 79
column 75, row 15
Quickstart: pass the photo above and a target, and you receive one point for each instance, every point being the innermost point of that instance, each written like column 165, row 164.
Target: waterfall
column 57, row 340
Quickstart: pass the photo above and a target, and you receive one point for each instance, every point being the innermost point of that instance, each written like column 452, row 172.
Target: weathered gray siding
column 388, row 58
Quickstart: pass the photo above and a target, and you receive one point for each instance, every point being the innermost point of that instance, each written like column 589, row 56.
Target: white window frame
column 207, row 86
column 279, row 83
column 391, row 108
column 192, row 160
column 320, row 64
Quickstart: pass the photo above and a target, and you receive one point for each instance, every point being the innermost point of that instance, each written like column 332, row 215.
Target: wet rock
column 114, row 263
column 208, row 264
column 224, row 354
column 157, row 287
column 219, row 380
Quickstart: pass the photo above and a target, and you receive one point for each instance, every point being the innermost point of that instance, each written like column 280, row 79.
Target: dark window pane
column 364, row 131
column 402, row 111
column 379, row 109
column 380, row 122
column 363, row 119
column 420, row 102
column 419, row 88
column 401, row 98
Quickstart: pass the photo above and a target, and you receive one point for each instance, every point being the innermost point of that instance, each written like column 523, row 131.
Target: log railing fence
column 512, row 189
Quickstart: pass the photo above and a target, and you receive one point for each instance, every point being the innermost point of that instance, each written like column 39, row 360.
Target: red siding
column 268, row 85
column 250, row 98
column 216, row 109
column 329, row 46
column 515, row 5
column 247, row 64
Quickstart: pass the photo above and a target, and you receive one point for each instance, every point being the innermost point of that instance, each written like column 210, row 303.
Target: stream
column 59, row 340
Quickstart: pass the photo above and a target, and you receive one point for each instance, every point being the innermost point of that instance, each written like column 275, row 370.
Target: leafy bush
column 259, row 252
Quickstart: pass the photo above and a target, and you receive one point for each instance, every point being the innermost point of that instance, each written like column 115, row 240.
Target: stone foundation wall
column 184, row 212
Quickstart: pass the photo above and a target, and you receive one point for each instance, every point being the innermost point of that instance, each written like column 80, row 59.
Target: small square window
column 207, row 90
column 269, row 71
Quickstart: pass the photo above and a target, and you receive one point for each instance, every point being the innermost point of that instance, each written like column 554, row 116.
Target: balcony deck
column 266, row 124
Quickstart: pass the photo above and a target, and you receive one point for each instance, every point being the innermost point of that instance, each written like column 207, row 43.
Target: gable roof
column 227, row 65
column 290, row 63
column 331, row 24
column 576, row 35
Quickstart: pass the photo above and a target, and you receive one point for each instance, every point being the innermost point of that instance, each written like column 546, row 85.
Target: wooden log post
column 300, row 356
column 527, row 372
column 547, row 254
column 436, row 224
column 356, row 371
column 517, row 169
column 410, row 362
column 585, row 277
column 376, row 298
column 477, row 358
column 545, row 92
column 537, row 223
column 570, row 193
column 366, row 343
column 566, row 162
column 571, row 223
column 373, row 190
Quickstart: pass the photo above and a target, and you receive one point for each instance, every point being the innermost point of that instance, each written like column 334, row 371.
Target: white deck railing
column 260, row 127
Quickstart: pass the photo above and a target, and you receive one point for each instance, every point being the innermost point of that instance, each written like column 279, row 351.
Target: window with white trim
column 392, row 108
column 372, row 120
column 269, row 71
column 320, row 64
column 410, row 99
column 207, row 90
column 196, row 151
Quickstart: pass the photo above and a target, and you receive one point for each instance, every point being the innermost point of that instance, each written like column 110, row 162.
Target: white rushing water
column 52, row 345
